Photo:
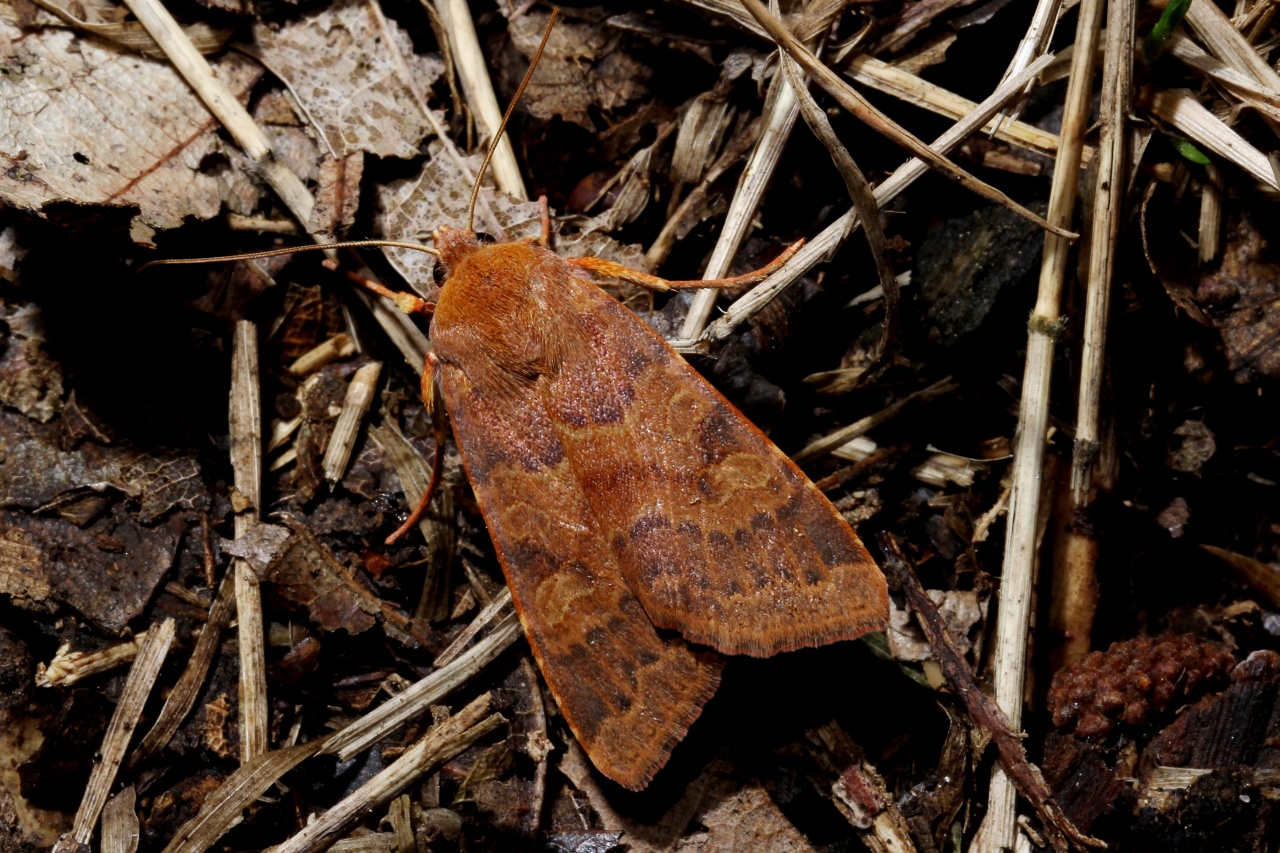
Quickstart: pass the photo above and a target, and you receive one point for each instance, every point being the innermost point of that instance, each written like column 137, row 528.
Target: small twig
column 137, row 687
column 493, row 611
column 439, row 745
column 469, row 59
column 68, row 667
column 246, row 463
column 982, row 710
column 347, row 429
column 833, row 440
column 182, row 698
column 538, row 745
column 392, row 714
column 335, row 348
column 224, row 806
column 999, row 828
column 820, row 247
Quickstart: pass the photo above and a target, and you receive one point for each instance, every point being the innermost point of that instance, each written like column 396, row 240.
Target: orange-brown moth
column 645, row 527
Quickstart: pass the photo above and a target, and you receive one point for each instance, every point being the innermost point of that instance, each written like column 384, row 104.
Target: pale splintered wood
column 246, row 463
column 67, row 666
column 142, row 677
column 345, row 432
column 999, row 829
column 393, row 713
column 438, row 745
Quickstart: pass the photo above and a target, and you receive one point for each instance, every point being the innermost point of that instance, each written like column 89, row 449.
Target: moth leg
column 544, row 214
column 437, row 464
column 409, row 303
column 609, row 269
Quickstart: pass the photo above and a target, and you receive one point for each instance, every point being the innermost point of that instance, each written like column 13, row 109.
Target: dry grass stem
column 1180, row 109
column 335, row 348
column 905, row 86
column 1108, row 199
column 224, row 806
column 1224, row 41
column 1242, row 85
column 820, row 247
column 1210, row 231
column 182, row 698
column 439, row 745
column 864, row 203
column 1034, row 43
column 775, row 131
column 137, row 687
column 493, row 611
column 861, row 108
column 438, row 532
column 393, row 713
column 68, row 667
column 1263, row 577
column 359, row 397
column 473, row 70
column 223, row 104
column 246, row 462
column 120, row 827
column 261, row 224
column 831, row 441
column 999, row 828
column 692, row 208
column 938, row 469
column 780, row 117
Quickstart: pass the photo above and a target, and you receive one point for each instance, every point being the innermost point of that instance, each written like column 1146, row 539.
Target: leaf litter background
column 115, row 500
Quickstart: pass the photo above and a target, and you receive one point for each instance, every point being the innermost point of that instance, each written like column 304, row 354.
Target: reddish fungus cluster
column 1132, row 680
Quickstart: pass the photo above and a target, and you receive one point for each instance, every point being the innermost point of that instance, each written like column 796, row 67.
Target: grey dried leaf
column 260, row 547
column 144, row 152
column 585, row 842
column 960, row 609
column 357, row 77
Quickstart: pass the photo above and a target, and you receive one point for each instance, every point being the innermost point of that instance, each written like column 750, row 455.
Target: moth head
column 454, row 246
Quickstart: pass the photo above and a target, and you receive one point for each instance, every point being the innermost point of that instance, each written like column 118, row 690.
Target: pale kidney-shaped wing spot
column 738, row 479
column 556, row 596
column 683, row 416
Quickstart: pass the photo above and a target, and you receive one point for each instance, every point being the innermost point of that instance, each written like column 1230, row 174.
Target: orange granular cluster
column 1133, row 679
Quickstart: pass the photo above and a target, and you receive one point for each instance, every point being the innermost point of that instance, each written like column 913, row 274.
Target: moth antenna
column 249, row 256
column 502, row 126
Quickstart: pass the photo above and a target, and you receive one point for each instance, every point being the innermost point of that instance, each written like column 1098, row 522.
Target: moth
column 646, row 528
